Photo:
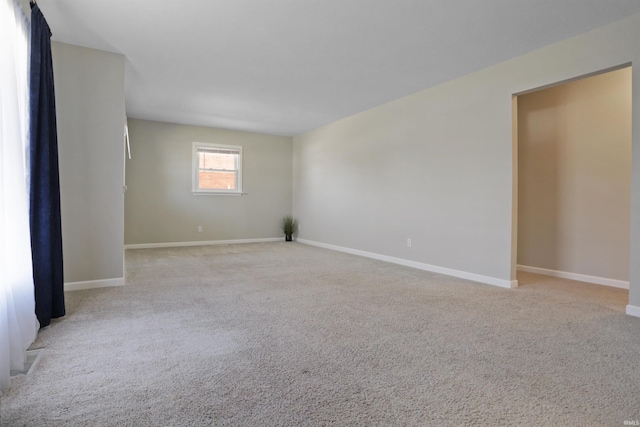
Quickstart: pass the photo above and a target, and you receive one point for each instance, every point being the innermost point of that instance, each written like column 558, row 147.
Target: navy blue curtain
column 44, row 211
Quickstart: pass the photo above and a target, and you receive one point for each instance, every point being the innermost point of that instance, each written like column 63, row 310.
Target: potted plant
column 290, row 227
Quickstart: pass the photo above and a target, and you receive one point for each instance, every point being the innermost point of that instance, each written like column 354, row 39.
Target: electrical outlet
column 199, row 229
column 408, row 243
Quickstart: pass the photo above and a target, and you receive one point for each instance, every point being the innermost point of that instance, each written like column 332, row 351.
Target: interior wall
column 437, row 166
column 89, row 86
column 160, row 207
column 575, row 176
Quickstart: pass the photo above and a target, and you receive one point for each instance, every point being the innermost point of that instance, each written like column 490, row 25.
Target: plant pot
column 288, row 238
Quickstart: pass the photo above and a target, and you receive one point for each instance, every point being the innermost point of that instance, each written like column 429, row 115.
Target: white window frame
column 195, row 169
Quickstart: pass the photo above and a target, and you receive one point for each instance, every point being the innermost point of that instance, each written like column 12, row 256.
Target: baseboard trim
column 419, row 265
column 575, row 276
column 201, row 243
column 93, row 284
column 633, row 310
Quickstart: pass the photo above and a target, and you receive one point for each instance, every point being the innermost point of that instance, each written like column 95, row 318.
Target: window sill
column 216, row 193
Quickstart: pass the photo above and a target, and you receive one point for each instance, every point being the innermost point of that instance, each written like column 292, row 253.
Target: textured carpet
column 288, row 334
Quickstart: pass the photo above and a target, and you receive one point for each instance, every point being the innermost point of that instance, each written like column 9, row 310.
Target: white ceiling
column 285, row 67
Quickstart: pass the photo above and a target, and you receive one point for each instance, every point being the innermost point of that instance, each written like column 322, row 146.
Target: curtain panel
column 45, row 219
column 18, row 324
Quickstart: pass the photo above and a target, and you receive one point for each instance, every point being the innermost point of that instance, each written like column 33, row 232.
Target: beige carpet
column 288, row 334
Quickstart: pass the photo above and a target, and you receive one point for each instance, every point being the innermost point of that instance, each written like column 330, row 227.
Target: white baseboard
column 575, row 276
column 93, row 284
column 633, row 310
column 201, row 243
column 419, row 265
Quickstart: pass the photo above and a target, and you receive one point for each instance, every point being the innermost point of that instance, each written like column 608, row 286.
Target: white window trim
column 195, row 168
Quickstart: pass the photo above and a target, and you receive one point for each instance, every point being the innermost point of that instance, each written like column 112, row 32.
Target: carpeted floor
column 287, row 334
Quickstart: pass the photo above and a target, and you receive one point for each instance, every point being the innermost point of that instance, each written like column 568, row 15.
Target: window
column 217, row 169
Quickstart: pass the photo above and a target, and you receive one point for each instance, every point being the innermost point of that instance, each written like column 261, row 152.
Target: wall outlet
column 408, row 243
column 199, row 229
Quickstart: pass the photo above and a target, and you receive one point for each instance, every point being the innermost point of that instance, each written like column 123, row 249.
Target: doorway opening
column 572, row 179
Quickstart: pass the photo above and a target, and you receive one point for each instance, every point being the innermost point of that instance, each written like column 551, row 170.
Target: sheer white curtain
column 18, row 323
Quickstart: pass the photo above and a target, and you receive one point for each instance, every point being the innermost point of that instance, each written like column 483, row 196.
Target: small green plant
column 289, row 226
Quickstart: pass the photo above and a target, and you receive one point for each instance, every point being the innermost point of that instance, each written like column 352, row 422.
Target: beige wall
column 574, row 167
column 159, row 205
column 437, row 166
column 89, row 87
